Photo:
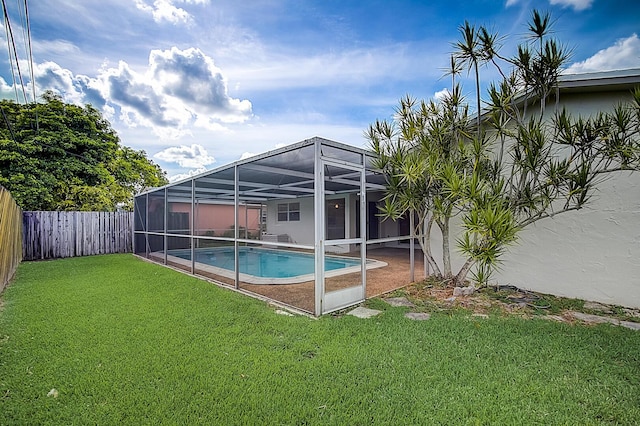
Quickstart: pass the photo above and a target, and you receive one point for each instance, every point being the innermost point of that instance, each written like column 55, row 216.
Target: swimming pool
column 267, row 266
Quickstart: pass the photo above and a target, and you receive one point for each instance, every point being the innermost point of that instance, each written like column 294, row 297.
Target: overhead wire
column 6, row 120
column 11, row 43
column 15, row 66
column 29, row 49
column 26, row 30
column 7, row 27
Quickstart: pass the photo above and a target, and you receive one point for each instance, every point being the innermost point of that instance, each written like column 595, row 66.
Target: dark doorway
column 373, row 221
column 335, row 219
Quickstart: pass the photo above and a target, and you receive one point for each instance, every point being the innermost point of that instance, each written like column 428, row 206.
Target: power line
column 26, row 31
column 28, row 23
column 12, row 44
column 6, row 120
column 30, row 52
column 7, row 26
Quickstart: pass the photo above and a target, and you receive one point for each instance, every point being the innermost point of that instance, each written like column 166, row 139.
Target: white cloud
column 179, row 90
column 246, row 155
column 6, row 90
column 624, row 54
column 439, row 95
column 194, row 156
column 55, row 47
column 164, row 10
column 576, row 4
column 192, row 172
column 78, row 89
column 257, row 137
column 356, row 67
column 191, row 76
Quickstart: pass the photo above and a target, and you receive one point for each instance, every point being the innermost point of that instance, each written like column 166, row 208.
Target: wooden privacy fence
column 10, row 237
column 50, row 235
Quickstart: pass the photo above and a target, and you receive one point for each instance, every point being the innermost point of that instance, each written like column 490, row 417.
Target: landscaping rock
column 595, row 306
column 362, row 312
column 597, row 319
column 593, row 319
column 557, row 318
column 631, row 325
column 464, row 291
column 483, row 316
column 417, row 316
column 515, row 307
column 399, row 301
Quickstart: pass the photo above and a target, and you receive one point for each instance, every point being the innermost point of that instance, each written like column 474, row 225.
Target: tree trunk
column 426, row 247
column 462, row 274
column 446, row 255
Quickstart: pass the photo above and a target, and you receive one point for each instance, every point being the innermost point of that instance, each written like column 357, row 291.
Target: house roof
column 600, row 81
column 604, row 81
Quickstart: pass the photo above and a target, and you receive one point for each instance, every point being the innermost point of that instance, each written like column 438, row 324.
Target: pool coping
column 252, row 279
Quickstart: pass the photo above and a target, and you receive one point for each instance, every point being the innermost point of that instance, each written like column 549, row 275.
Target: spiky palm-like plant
column 503, row 173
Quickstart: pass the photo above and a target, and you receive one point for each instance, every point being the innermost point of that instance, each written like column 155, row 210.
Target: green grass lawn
column 128, row 342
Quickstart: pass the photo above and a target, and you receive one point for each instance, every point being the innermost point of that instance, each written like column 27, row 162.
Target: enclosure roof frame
column 266, row 181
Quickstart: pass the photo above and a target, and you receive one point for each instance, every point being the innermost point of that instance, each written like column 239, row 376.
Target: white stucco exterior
column 300, row 232
column 593, row 253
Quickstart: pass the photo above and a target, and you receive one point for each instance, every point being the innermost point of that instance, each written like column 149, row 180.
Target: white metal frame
column 338, row 299
column 226, row 185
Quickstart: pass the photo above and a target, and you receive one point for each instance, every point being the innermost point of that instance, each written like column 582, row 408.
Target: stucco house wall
column 302, row 231
column 299, row 232
column 593, row 253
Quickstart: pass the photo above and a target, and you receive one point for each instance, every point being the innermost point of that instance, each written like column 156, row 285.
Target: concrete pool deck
column 379, row 281
column 301, row 296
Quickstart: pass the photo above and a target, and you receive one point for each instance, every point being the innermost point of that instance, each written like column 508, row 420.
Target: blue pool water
column 265, row 263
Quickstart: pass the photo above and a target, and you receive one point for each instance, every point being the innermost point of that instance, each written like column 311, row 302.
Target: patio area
column 379, row 280
column 301, row 296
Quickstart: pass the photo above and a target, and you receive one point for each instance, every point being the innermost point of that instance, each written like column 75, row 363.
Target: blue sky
column 201, row 83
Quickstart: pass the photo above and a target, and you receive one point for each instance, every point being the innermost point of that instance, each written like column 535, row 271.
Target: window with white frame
column 289, row 212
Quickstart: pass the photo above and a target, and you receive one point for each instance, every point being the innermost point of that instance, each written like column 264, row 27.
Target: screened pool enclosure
column 298, row 225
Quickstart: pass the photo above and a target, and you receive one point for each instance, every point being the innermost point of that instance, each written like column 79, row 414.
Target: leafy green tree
column 59, row 156
column 515, row 168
